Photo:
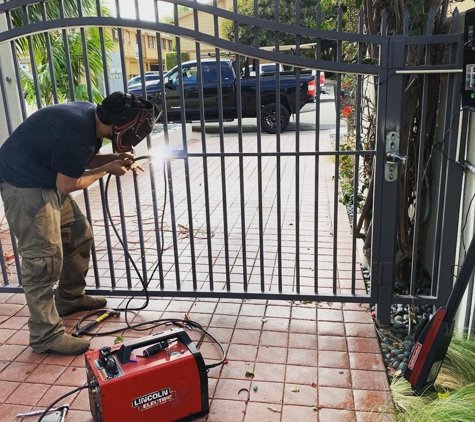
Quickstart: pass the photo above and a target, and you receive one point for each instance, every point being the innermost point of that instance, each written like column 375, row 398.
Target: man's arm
column 100, row 160
column 66, row 184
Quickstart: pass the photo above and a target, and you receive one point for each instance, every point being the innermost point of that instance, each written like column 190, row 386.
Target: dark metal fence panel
column 246, row 214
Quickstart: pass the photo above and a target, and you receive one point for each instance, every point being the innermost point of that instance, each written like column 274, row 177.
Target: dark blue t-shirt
column 56, row 139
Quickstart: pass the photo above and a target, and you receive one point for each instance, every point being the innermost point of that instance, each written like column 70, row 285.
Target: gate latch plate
column 393, row 157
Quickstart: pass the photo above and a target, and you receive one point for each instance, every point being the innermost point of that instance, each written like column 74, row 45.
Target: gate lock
column 393, row 157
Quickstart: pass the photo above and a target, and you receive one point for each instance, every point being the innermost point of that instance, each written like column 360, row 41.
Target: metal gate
column 229, row 210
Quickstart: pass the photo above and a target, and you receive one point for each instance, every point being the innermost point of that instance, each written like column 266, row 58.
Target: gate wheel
column 269, row 118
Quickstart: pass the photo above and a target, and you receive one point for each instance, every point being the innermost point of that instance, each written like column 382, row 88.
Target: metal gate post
column 386, row 175
column 10, row 110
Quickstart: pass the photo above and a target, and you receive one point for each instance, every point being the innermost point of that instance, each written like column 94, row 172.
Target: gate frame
column 391, row 58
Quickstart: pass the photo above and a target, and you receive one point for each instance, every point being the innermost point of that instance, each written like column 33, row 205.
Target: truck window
column 173, row 78
column 209, row 74
column 227, row 73
column 268, row 68
column 190, row 75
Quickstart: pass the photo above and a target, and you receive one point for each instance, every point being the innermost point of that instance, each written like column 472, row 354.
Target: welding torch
column 108, row 313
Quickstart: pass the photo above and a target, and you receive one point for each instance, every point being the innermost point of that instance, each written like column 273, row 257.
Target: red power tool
column 168, row 382
column 433, row 337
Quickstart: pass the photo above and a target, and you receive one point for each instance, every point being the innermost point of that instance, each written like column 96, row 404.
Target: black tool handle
column 461, row 283
column 123, row 354
column 155, row 349
column 85, row 329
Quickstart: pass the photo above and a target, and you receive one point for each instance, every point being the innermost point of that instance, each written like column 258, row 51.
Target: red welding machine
column 167, row 382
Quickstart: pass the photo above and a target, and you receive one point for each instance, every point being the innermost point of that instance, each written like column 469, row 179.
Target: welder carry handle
column 123, row 354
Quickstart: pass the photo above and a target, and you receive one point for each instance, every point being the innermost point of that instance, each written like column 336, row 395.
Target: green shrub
column 171, row 59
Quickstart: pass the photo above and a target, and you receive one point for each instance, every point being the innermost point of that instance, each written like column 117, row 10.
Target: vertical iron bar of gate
column 453, row 180
column 358, row 148
column 3, row 264
column 336, row 186
column 34, row 70
column 50, row 56
column 241, row 159
column 186, row 164
column 204, row 149
column 118, row 181
column 17, row 75
column 159, row 235
column 389, row 114
column 67, row 54
column 223, row 159
column 317, row 158
column 259, row 156
column 134, row 176
column 85, row 54
column 103, row 50
column 297, row 150
column 278, row 170
column 168, row 163
column 5, row 103
column 420, row 161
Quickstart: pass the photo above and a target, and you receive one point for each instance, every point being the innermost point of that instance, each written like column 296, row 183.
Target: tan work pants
column 54, row 242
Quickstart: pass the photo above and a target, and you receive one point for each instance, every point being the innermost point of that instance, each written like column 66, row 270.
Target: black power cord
column 63, row 397
column 147, row 325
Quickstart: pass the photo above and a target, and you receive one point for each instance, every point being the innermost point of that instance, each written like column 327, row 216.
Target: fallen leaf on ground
column 294, row 389
column 274, row 409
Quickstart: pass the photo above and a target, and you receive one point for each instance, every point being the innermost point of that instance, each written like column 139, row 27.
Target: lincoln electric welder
column 167, row 382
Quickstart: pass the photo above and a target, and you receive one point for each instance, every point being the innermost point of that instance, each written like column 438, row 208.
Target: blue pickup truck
column 288, row 87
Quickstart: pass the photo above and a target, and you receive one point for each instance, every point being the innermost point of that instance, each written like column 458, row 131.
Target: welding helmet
column 133, row 124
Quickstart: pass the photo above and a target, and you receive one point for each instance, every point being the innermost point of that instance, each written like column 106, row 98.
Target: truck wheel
column 269, row 118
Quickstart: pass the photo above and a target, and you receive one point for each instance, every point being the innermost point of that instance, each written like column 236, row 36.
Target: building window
column 115, row 34
column 151, row 42
column 164, row 44
column 170, row 46
column 127, row 36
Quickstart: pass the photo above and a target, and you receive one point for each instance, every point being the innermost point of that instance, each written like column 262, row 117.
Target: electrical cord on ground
column 63, row 397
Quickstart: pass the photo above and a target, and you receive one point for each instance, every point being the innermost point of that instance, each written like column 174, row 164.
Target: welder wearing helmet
column 52, row 153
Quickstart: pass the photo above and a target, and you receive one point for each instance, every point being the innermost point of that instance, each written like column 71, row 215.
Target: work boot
column 87, row 303
column 69, row 346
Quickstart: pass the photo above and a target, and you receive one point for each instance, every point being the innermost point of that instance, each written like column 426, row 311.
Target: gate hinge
column 393, row 157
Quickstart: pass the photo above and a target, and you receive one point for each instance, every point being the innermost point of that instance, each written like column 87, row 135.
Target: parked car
column 229, row 94
column 137, row 80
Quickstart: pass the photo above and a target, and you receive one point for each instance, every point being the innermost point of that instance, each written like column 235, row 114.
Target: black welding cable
column 152, row 323
column 124, row 246
column 63, row 397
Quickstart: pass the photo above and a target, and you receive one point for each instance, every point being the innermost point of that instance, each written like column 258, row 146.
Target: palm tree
column 59, row 54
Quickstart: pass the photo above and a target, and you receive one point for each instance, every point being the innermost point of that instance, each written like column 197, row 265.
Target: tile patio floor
column 329, row 350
